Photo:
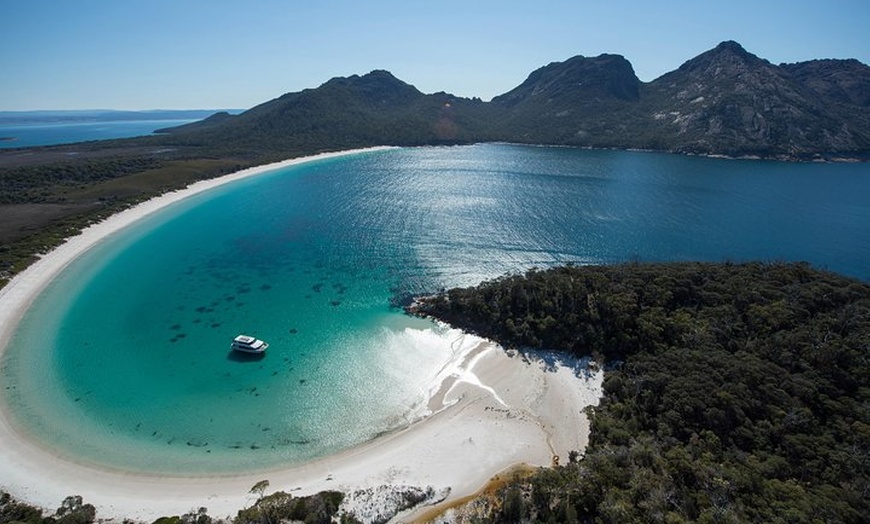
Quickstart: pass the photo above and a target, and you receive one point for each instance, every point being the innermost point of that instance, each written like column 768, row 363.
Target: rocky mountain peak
column 844, row 81
column 606, row 76
column 726, row 59
column 377, row 87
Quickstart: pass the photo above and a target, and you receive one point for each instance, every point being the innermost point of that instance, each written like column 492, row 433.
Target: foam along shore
column 488, row 410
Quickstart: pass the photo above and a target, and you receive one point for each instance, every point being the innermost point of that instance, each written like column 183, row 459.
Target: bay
column 124, row 360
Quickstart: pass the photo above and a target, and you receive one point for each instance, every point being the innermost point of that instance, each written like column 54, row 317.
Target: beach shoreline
column 489, row 412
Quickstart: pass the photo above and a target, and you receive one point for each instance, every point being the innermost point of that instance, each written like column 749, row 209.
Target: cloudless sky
column 187, row 54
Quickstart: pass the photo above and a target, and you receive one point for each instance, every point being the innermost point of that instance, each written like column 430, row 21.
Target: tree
column 74, row 511
column 260, row 488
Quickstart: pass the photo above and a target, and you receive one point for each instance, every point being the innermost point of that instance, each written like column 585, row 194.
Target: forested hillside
column 733, row 393
column 343, row 113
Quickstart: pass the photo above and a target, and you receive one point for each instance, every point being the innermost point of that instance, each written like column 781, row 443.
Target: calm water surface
column 44, row 134
column 125, row 359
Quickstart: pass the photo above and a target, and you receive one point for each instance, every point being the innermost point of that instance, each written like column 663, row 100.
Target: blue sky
column 185, row 54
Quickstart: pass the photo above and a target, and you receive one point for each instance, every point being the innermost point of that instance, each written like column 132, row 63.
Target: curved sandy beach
column 489, row 411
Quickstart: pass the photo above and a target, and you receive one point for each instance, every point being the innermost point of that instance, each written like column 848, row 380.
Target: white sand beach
column 488, row 412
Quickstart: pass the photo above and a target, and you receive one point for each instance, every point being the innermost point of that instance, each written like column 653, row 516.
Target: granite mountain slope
column 725, row 101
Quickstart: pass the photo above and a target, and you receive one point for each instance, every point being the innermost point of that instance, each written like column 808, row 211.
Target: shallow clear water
column 125, row 359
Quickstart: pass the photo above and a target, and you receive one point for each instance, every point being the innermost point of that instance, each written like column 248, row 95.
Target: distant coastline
column 20, row 129
column 103, row 115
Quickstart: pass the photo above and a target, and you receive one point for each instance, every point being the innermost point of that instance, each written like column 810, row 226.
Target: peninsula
column 735, row 392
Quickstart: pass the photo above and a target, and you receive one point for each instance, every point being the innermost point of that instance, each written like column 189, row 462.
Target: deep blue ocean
column 125, row 359
column 44, row 128
column 31, row 135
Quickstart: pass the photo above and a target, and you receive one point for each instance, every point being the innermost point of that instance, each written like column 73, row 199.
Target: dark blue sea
column 309, row 258
column 44, row 128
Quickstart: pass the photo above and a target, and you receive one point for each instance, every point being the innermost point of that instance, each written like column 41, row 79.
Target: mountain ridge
column 725, row 101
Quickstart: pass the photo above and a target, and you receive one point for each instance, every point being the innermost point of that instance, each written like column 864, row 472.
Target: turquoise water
column 125, row 360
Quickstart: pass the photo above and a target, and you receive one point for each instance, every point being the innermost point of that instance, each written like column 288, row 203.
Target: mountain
column 840, row 81
column 725, row 101
column 345, row 112
column 578, row 79
column 572, row 102
column 731, row 102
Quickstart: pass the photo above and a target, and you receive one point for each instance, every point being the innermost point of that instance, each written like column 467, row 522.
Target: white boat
column 247, row 344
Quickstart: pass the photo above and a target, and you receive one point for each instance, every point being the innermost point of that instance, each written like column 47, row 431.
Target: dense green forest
column 733, row 393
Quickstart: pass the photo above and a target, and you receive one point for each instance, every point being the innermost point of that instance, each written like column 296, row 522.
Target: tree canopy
column 733, row 393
